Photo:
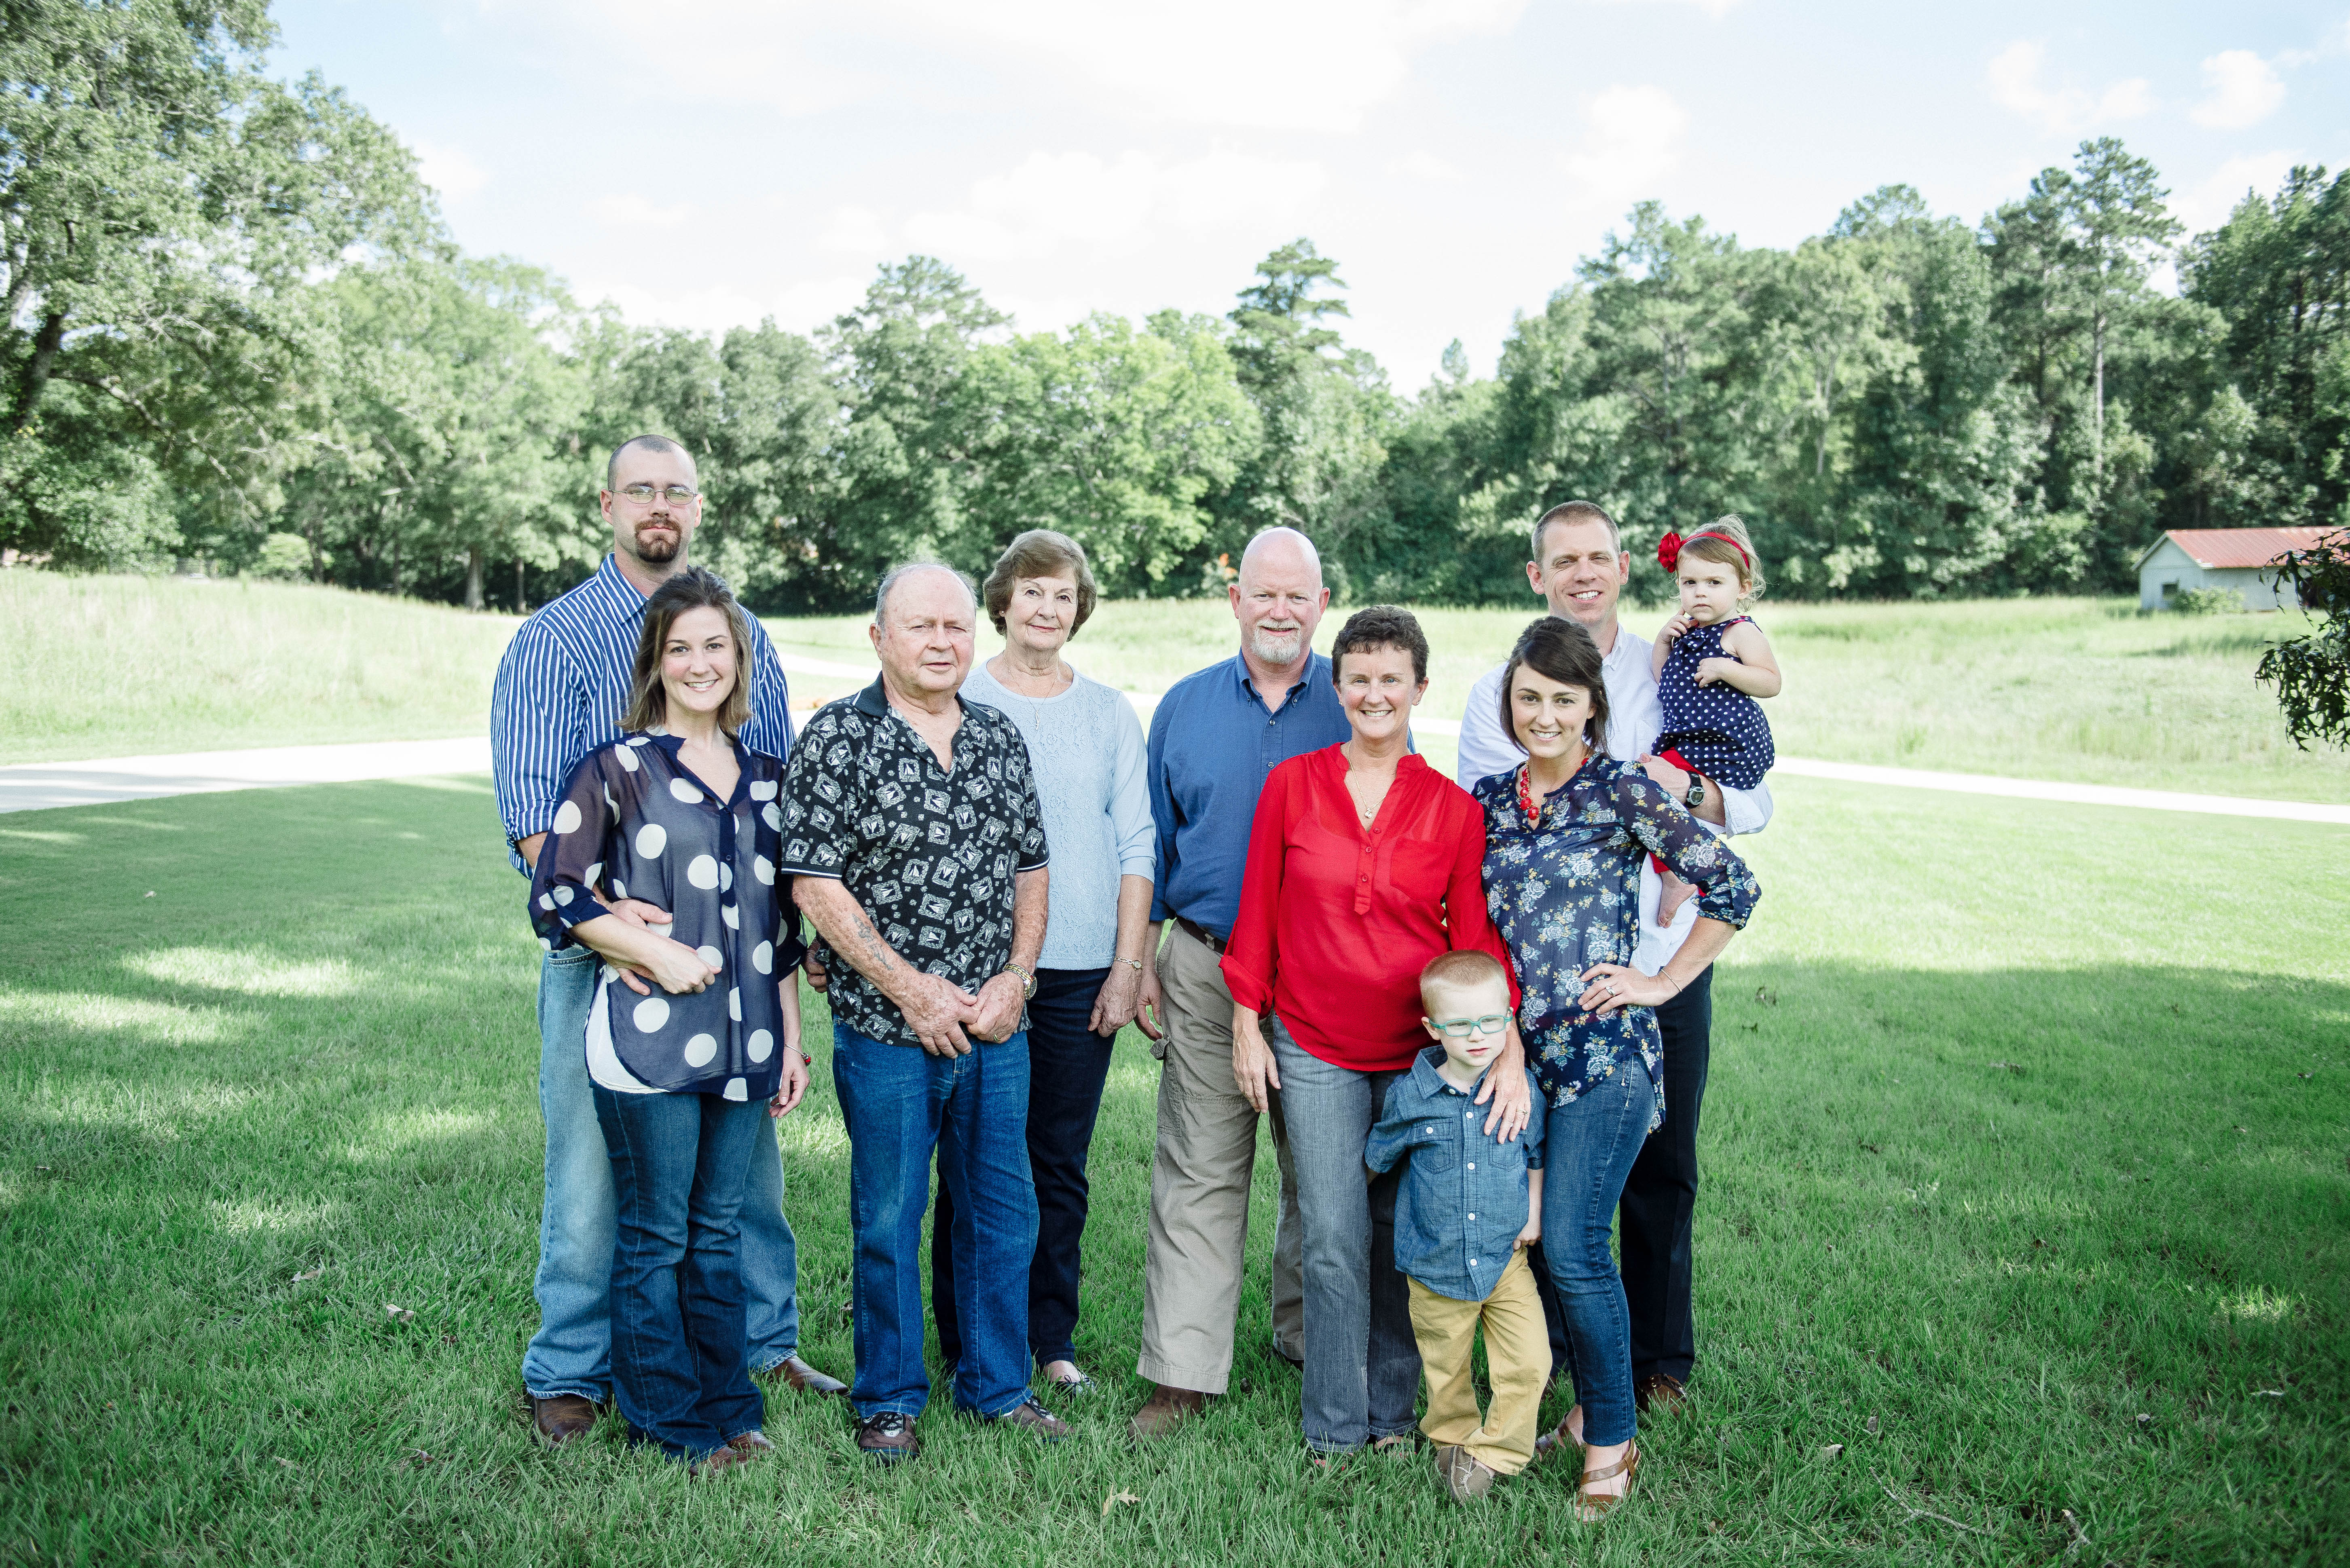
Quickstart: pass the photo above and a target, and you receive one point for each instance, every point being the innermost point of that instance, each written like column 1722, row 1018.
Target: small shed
column 2240, row 560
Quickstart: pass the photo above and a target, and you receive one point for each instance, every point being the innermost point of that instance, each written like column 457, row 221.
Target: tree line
column 238, row 333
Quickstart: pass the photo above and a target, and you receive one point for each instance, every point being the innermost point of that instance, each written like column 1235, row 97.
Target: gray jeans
column 1362, row 1363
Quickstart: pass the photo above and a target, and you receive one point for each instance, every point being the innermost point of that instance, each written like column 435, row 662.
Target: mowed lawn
column 2026, row 1185
column 2082, row 690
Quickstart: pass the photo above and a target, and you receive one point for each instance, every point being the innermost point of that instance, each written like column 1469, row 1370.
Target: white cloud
column 1424, row 166
column 445, row 167
column 1286, row 64
column 2205, row 205
column 1711, row 7
column 1634, row 140
column 631, row 214
column 2015, row 82
column 2244, row 90
column 858, row 229
column 1055, row 202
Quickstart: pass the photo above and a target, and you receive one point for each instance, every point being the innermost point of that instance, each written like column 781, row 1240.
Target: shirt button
column 1472, row 1262
column 1472, row 1216
column 1472, row 1165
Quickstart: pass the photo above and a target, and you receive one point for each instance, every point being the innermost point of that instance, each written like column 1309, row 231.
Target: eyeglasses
column 1461, row 1028
column 675, row 495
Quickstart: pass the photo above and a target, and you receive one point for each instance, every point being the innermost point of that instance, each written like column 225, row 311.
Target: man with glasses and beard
column 559, row 693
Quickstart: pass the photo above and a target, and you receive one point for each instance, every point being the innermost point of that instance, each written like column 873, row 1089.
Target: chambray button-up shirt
column 1463, row 1198
column 1212, row 743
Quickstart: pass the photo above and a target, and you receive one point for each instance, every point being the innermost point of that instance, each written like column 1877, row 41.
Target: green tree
column 1113, row 436
column 2312, row 673
column 163, row 206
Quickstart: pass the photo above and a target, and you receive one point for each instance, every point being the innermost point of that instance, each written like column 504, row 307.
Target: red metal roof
column 2226, row 547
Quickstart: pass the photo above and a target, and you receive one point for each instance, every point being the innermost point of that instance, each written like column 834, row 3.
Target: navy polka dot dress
column 1718, row 729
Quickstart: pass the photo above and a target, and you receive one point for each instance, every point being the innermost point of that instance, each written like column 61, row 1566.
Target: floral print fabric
column 1565, row 893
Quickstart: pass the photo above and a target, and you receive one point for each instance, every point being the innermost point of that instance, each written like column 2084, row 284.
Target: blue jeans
column 678, row 1168
column 901, row 1104
column 1067, row 1065
column 572, row 1351
column 1362, row 1363
column 1588, row 1148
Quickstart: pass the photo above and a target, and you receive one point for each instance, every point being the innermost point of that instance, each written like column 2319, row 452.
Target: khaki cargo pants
column 1200, row 1189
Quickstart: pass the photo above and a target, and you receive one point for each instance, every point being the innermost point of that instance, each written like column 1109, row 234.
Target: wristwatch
column 1696, row 796
column 1027, row 981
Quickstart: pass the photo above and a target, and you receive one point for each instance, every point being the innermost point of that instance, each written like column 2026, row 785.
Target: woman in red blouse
column 1364, row 863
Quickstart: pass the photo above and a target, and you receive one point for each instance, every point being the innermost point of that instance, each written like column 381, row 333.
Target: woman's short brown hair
column 1561, row 650
column 1376, row 626
column 1039, row 553
column 693, row 588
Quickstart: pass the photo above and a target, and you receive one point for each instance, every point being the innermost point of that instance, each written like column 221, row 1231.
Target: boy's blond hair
column 1457, row 972
column 1726, row 541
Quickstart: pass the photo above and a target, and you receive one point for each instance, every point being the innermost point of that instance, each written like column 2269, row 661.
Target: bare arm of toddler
column 1662, row 649
column 1533, row 1231
column 1754, row 669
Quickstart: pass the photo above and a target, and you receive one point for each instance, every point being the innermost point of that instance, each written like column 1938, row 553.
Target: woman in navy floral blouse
column 678, row 813
column 1565, row 834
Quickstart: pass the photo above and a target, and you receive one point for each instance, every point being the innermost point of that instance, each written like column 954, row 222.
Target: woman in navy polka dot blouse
column 678, row 813
column 1711, row 662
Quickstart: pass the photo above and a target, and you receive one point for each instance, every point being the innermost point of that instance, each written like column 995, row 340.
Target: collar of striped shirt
column 563, row 682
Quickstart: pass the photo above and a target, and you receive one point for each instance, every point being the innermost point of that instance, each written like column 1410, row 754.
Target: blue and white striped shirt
column 563, row 682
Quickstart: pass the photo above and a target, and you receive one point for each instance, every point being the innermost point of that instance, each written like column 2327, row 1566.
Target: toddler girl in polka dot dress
column 1712, row 661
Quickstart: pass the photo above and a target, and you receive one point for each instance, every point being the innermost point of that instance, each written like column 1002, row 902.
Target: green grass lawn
column 2026, row 1183
column 2082, row 690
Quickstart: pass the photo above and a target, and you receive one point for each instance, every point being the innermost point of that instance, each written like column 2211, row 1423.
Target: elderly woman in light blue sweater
column 1085, row 744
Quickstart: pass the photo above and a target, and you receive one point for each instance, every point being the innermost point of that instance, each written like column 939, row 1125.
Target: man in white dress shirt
column 1580, row 568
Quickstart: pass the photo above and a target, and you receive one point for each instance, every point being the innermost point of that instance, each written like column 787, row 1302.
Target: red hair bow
column 1669, row 551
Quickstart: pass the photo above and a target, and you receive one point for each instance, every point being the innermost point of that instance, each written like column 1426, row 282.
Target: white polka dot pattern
column 704, row 871
column 700, row 1050
column 567, row 817
column 652, row 839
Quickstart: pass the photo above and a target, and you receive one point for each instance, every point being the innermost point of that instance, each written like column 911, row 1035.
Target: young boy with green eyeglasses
column 1468, row 1207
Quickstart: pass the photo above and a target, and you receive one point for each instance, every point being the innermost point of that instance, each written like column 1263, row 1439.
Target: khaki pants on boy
column 1197, row 1254
column 1517, row 1362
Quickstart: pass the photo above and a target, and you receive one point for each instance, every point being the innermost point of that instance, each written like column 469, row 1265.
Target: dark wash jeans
column 1588, row 1148
column 1659, row 1198
column 901, row 1104
column 679, row 1166
column 1362, row 1362
column 1067, row 1065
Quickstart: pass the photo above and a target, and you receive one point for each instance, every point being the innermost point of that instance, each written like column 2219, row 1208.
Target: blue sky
column 706, row 162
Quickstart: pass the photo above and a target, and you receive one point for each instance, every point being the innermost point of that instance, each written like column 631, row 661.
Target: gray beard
column 1278, row 648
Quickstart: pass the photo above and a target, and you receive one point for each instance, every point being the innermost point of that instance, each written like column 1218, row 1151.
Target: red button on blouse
column 1337, row 921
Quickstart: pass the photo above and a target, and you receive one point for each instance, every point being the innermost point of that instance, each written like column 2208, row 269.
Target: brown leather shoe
column 887, row 1438
column 1031, row 1416
column 804, row 1379
column 1558, row 1437
column 719, row 1460
column 560, row 1417
column 1167, row 1408
column 1658, row 1394
column 752, row 1443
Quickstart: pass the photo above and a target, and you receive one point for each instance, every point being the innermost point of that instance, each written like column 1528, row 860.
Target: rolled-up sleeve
column 536, row 725
column 1727, row 888
column 1131, row 822
column 571, row 862
column 1746, row 810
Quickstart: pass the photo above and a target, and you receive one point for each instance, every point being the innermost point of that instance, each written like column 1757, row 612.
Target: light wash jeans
column 1362, row 1363
column 572, row 1351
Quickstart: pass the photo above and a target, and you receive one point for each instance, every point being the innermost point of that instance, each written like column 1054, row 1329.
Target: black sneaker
column 888, row 1436
column 1034, row 1418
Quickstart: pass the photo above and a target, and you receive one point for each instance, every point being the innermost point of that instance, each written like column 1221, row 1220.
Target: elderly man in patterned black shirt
column 912, row 835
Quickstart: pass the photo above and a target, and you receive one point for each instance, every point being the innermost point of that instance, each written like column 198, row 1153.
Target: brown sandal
column 1590, row 1508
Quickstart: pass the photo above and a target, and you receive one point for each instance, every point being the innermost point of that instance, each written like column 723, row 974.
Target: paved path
column 35, row 786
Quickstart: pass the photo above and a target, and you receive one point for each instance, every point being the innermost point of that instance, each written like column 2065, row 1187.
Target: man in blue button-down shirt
column 559, row 693
column 1213, row 738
